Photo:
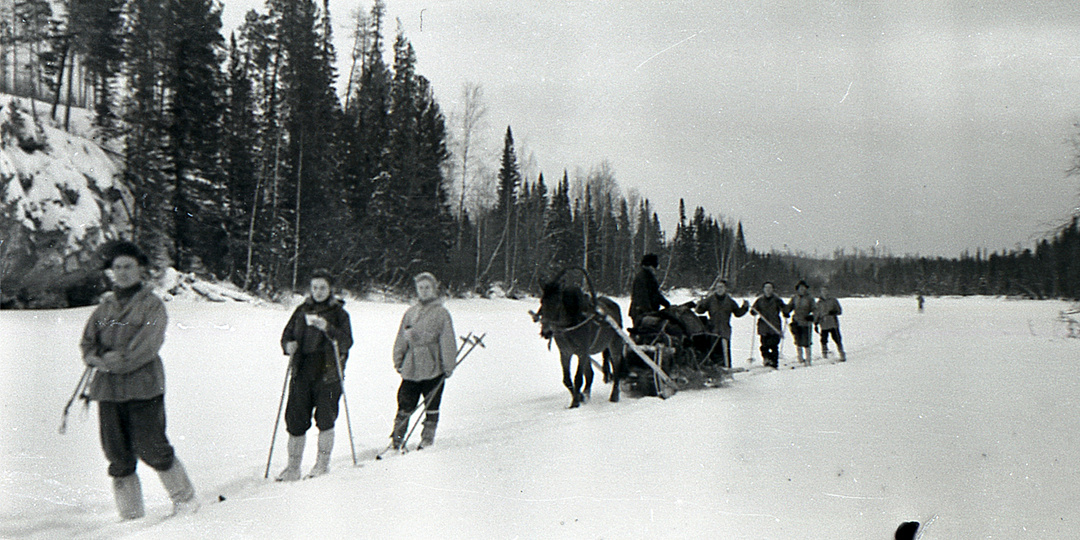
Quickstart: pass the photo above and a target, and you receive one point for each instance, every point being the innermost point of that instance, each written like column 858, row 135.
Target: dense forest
column 251, row 159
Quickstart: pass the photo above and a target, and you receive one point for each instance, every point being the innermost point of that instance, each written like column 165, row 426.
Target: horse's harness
column 591, row 318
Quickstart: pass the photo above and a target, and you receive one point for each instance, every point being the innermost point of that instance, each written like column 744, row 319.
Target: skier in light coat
column 425, row 354
column 121, row 342
column 828, row 322
column 803, row 310
column 309, row 339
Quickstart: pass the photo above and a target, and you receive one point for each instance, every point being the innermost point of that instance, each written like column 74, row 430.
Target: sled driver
column 645, row 295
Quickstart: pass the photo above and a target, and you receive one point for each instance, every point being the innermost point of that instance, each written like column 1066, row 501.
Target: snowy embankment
column 965, row 416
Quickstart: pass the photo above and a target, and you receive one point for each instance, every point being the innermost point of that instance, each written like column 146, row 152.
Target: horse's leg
column 575, row 398
column 578, row 379
column 615, row 352
column 607, row 366
column 586, row 364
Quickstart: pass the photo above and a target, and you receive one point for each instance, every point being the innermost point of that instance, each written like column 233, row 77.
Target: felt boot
column 178, row 486
column 322, row 460
column 296, row 455
column 427, row 435
column 401, row 424
column 128, row 493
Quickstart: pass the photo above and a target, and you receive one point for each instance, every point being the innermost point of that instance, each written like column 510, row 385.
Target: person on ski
column 769, row 308
column 121, row 344
column 425, row 354
column 803, row 311
column 317, row 339
column 828, row 323
column 721, row 306
column 645, row 295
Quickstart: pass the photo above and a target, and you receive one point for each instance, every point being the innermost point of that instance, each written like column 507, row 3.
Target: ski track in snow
column 964, row 415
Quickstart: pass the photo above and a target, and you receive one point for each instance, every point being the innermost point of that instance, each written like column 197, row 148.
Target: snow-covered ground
column 966, row 416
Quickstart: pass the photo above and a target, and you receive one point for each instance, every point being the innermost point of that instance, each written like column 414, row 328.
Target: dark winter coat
column 769, row 308
column 124, row 339
column 720, row 309
column 645, row 295
column 315, row 353
column 425, row 346
column 828, row 310
column 802, row 309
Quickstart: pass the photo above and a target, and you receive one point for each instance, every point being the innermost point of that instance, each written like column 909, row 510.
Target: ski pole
column 277, row 419
column 344, row 401
column 753, row 334
column 83, row 381
column 472, row 345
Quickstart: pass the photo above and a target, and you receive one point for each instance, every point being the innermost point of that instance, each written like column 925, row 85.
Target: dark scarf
column 127, row 293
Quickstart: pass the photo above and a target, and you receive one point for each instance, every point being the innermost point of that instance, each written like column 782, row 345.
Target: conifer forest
column 258, row 156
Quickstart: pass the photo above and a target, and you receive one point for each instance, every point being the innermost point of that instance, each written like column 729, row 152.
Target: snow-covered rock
column 59, row 201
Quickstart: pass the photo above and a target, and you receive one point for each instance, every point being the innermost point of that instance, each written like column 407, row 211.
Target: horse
column 577, row 324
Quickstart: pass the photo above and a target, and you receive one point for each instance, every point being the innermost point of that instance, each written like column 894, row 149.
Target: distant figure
column 769, row 307
column 721, row 307
column 121, row 343
column 907, row 530
column 317, row 338
column 425, row 352
column 645, row 295
column 828, row 323
column 804, row 310
column 921, row 302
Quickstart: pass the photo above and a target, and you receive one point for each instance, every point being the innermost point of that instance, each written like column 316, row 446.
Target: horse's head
column 561, row 307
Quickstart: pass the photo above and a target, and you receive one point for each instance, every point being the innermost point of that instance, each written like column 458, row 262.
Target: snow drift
column 963, row 417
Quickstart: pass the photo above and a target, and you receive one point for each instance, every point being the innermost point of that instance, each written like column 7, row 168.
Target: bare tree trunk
column 70, row 84
column 251, row 231
column 296, row 227
column 360, row 45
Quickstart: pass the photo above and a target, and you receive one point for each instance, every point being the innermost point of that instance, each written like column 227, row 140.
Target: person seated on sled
column 720, row 306
column 645, row 295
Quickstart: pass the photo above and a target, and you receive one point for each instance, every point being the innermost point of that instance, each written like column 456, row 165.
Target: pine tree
column 241, row 148
column 308, row 79
column 504, row 215
column 174, row 122
column 97, row 28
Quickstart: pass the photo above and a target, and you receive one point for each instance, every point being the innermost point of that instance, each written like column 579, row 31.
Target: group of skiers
column 807, row 314
column 125, row 375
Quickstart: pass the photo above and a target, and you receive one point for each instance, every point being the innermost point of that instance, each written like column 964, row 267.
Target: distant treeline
column 1051, row 270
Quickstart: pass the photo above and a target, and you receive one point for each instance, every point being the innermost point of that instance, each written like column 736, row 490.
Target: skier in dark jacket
column 317, row 338
column 121, row 343
column 645, row 295
column 721, row 306
column 769, row 308
column 803, row 312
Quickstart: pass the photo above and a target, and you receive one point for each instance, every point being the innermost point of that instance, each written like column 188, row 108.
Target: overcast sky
column 928, row 127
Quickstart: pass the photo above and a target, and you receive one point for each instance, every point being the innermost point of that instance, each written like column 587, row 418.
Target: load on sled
column 677, row 340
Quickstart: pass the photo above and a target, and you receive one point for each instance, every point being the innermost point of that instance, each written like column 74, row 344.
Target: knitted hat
column 426, row 276
column 322, row 273
column 650, row 260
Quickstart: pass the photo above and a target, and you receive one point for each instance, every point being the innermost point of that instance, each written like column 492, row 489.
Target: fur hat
column 650, row 260
column 122, row 248
column 801, row 283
